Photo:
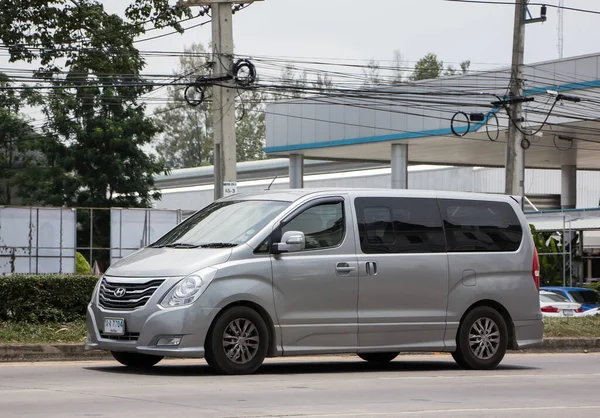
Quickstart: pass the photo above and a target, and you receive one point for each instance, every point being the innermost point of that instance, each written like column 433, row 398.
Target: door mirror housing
column 291, row 242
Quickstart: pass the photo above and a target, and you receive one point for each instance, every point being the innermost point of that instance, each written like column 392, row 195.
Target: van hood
column 168, row 262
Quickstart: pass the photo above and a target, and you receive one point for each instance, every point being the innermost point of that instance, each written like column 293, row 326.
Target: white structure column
column 568, row 193
column 399, row 166
column 296, row 171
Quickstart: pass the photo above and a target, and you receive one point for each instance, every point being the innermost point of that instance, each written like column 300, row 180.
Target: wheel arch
column 512, row 341
column 272, row 348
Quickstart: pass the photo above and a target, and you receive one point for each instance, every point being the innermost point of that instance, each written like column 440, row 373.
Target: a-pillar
column 568, row 192
column 296, row 171
column 399, row 166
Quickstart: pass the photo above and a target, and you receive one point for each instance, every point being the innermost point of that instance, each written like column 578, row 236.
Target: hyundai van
column 304, row 272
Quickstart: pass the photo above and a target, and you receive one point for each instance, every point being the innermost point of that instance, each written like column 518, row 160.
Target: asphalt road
column 566, row 385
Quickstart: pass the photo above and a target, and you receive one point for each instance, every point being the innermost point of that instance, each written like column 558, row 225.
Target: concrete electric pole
column 223, row 93
column 515, row 151
column 515, row 154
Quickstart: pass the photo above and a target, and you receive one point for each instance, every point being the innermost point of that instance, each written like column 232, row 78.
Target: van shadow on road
column 291, row 367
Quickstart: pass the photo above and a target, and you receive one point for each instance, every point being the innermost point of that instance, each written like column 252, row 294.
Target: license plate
column 114, row 326
column 568, row 312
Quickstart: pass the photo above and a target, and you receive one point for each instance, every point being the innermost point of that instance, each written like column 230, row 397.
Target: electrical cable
column 487, row 126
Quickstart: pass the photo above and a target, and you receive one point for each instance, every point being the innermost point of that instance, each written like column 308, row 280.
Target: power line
column 508, row 3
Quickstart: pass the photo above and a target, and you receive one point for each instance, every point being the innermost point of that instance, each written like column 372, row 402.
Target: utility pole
column 561, row 28
column 515, row 154
column 223, row 93
column 515, row 151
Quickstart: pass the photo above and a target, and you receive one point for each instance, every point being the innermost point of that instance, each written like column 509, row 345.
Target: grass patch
column 51, row 333
column 74, row 332
column 585, row 327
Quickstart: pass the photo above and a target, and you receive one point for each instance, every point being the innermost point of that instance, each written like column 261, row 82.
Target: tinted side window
column 323, row 225
column 480, row 226
column 399, row 225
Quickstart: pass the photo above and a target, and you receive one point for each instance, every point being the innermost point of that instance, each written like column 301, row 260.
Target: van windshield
column 222, row 224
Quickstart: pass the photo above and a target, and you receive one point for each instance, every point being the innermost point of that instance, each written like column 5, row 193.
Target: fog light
column 170, row 341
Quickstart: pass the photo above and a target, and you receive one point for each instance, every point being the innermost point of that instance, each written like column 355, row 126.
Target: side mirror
column 291, row 242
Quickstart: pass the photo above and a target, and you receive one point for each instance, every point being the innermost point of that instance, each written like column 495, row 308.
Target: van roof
column 291, row 195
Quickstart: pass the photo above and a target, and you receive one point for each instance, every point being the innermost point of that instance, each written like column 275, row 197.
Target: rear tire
column 237, row 342
column 482, row 339
column 136, row 360
column 378, row 358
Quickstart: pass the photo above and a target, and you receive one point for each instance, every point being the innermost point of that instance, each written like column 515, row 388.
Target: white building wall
column 481, row 180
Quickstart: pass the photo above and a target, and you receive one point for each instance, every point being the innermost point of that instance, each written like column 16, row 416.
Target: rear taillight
column 579, row 310
column 535, row 271
column 550, row 309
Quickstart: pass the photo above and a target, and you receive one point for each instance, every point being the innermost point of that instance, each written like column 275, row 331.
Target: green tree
column 372, row 74
column 186, row 137
column 398, row 67
column 92, row 148
column 323, row 83
column 551, row 263
column 294, row 83
column 16, row 136
column 187, row 131
column 428, row 67
column 465, row 66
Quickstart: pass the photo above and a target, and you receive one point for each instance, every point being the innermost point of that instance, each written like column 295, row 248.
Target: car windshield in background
column 549, row 298
column 585, row 296
column 222, row 225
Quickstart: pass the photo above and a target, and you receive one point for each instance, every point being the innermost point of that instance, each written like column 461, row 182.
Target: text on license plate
column 114, row 326
column 568, row 312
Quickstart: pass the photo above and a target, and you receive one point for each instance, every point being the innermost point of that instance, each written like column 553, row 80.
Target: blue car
column 588, row 298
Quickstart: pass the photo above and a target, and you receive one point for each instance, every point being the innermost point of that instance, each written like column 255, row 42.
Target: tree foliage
column 427, row 68
column 90, row 151
column 96, row 127
column 16, row 136
column 187, row 132
column 430, row 67
column 44, row 31
column 551, row 263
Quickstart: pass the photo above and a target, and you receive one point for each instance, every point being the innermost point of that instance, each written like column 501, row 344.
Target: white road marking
column 448, row 411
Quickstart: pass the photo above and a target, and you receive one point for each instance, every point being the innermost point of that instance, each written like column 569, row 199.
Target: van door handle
column 344, row 268
column 371, row 267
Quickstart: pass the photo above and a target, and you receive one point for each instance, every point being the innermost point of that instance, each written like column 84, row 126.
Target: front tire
column 482, row 339
column 136, row 360
column 378, row 358
column 237, row 342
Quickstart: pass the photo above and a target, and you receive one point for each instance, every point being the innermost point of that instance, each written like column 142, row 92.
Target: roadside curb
column 78, row 352
column 49, row 352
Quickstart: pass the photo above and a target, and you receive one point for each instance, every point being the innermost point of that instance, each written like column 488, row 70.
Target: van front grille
column 126, row 296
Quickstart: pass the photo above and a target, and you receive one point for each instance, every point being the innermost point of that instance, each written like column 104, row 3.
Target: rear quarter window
column 585, row 296
column 480, row 226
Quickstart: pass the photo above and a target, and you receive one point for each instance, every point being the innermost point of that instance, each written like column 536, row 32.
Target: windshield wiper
column 176, row 245
column 218, row 245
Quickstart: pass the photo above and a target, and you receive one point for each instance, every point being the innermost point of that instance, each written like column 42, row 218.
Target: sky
column 360, row 31
column 373, row 29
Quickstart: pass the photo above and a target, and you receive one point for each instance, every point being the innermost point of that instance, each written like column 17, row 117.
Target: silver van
column 298, row 272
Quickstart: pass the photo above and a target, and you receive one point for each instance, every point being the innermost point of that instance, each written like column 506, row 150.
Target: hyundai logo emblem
column 120, row 292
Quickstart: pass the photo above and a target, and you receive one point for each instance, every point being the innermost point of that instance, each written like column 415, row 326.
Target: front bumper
column 146, row 326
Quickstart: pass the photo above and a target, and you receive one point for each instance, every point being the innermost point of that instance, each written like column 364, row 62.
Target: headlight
column 96, row 289
column 189, row 289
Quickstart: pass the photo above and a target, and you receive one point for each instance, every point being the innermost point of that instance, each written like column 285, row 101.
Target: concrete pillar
column 568, row 194
column 296, row 171
column 399, row 166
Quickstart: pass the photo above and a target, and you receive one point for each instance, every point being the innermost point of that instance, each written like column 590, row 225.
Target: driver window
column 323, row 225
